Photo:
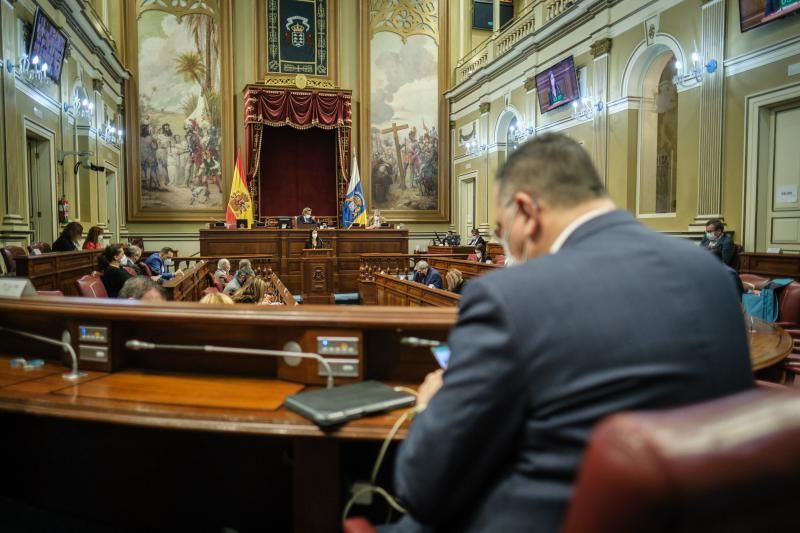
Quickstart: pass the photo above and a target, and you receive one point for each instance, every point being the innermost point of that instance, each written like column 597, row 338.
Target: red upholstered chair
column 358, row 525
column 50, row 293
column 472, row 257
column 91, row 286
column 10, row 254
column 731, row 465
column 500, row 260
column 210, row 290
column 145, row 269
column 213, row 281
column 130, row 271
column 43, row 248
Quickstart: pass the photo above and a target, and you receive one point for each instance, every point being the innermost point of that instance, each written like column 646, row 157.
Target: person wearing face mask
column 113, row 276
column 718, row 242
column 68, row 240
column 481, row 255
column 314, row 241
column 599, row 315
column 160, row 261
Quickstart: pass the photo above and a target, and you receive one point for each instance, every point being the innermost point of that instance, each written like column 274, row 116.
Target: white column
column 709, row 194
column 600, row 51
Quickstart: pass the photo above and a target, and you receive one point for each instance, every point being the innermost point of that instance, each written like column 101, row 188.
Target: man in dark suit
column 600, row 315
column 427, row 275
column 718, row 242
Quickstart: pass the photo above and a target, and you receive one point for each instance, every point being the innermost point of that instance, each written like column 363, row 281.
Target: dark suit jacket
column 432, row 278
column 722, row 247
column 302, row 219
column 621, row 318
column 64, row 244
column 475, row 241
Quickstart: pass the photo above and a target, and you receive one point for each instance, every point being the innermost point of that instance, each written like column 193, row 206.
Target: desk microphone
column 72, row 375
column 141, row 346
column 417, row 342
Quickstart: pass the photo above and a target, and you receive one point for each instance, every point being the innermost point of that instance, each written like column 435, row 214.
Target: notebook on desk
column 328, row 407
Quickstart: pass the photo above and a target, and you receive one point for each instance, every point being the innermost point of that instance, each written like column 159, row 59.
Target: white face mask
column 314, row 234
column 168, row 262
column 710, row 236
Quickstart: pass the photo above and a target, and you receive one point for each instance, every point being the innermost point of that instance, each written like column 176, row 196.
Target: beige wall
column 679, row 23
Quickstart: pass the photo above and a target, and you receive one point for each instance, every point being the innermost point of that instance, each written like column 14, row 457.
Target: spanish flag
column 240, row 204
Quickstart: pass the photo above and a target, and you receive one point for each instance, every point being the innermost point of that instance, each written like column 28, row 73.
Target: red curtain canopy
column 298, row 109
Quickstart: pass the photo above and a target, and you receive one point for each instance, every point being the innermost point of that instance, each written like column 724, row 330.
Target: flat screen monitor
column 48, row 44
column 241, row 223
column 558, row 85
column 755, row 13
column 285, row 222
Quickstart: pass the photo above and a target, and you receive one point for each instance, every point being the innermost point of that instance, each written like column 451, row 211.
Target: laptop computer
column 328, row 407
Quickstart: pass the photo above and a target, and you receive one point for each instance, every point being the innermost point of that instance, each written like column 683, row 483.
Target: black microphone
column 140, row 346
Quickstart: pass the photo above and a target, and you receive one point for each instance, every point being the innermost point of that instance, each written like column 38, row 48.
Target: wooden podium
column 318, row 276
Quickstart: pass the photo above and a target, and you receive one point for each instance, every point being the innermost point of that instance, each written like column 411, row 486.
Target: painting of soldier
column 179, row 145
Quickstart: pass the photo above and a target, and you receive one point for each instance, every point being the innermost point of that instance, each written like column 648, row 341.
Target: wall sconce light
column 80, row 106
column 474, row 148
column 33, row 69
column 111, row 134
column 695, row 72
column 520, row 132
column 586, row 108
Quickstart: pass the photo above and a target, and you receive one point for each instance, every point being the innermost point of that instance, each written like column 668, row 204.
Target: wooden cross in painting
column 393, row 130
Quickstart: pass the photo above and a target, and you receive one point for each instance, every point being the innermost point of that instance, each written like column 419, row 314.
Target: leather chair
column 10, row 254
column 214, row 282
column 43, row 248
column 91, row 286
column 130, row 270
column 145, row 269
column 730, row 465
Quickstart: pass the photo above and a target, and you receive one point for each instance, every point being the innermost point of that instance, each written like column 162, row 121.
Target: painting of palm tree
column 180, row 118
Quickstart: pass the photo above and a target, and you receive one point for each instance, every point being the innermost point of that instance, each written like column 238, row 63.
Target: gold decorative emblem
column 300, row 81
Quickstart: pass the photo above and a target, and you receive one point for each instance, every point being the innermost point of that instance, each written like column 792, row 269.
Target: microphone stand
column 74, row 374
column 140, row 346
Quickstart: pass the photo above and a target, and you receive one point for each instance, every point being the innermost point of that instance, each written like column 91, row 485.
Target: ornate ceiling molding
column 180, row 8
column 405, row 18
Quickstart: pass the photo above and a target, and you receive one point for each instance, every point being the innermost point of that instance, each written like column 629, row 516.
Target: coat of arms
column 297, row 31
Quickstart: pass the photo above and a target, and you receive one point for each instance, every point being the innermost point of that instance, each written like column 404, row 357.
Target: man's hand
column 433, row 382
column 179, row 272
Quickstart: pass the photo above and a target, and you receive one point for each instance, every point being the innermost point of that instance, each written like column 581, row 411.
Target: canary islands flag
column 354, row 210
column 240, row 204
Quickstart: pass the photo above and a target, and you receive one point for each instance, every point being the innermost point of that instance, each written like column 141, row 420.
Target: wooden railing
column 57, row 271
column 190, row 286
column 280, row 292
column 258, row 261
column 468, row 269
column 391, row 290
column 525, row 24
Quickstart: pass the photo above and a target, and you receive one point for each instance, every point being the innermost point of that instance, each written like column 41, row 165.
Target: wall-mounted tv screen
column 48, row 43
column 557, row 85
column 754, row 13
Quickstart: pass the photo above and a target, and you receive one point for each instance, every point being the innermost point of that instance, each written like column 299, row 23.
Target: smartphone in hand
column 442, row 354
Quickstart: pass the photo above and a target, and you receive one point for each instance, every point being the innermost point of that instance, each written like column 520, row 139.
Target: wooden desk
column 468, row 269
column 286, row 248
column 190, row 286
column 242, row 408
column 318, row 276
column 451, row 250
column 57, row 271
column 785, row 265
column 391, row 290
column 769, row 344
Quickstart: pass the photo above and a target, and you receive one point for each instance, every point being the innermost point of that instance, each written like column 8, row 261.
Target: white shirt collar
column 575, row 224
